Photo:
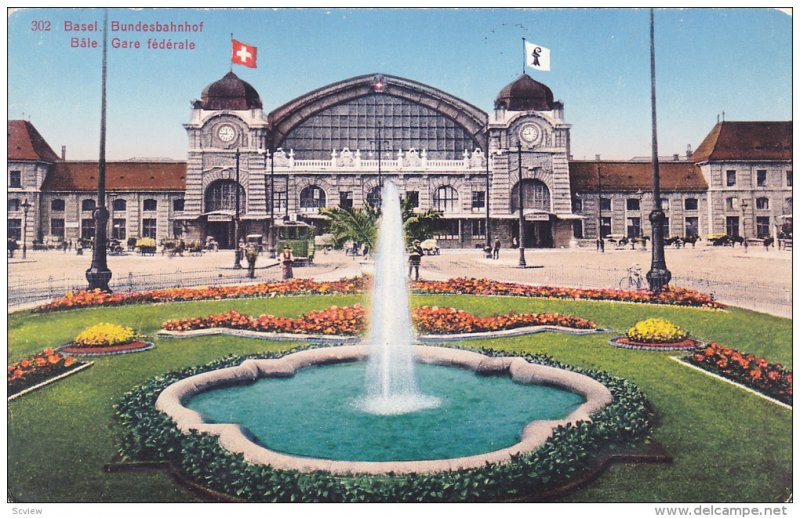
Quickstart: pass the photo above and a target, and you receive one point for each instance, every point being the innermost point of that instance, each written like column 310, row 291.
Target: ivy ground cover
column 700, row 421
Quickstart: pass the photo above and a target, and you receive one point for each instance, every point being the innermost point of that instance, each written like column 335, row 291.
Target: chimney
column 689, row 152
column 63, row 152
column 597, row 158
column 676, row 157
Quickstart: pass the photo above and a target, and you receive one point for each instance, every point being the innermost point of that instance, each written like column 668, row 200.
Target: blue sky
column 708, row 61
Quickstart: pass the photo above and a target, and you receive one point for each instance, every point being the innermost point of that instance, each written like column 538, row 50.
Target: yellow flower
column 104, row 335
column 656, row 330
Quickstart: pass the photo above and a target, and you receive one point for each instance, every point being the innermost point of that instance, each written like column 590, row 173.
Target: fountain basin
column 234, row 438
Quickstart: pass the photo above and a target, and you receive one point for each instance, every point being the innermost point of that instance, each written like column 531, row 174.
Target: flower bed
column 444, row 321
column 83, row 299
column 656, row 334
column 670, row 295
column 352, row 321
column 461, row 286
column 38, row 369
column 104, row 335
column 332, row 321
column 770, row 379
column 149, row 435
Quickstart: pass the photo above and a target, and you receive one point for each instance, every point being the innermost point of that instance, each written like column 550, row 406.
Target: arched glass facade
column 221, row 195
column 354, row 125
column 535, row 195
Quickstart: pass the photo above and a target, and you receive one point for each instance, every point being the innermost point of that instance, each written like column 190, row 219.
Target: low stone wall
column 232, row 438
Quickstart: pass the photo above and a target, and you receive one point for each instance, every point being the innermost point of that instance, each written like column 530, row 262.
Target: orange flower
column 54, row 359
column 755, row 374
column 69, row 360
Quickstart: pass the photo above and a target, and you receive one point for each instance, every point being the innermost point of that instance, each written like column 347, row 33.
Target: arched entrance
column 219, row 205
column 536, row 204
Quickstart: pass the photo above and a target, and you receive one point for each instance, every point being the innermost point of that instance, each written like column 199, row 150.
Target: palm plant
column 350, row 224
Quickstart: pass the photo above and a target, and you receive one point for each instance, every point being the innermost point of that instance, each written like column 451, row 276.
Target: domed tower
column 228, row 126
column 528, row 127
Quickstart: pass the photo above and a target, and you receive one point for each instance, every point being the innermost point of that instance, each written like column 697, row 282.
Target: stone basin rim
column 233, row 438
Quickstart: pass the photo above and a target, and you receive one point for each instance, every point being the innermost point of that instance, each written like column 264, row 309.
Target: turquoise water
column 315, row 414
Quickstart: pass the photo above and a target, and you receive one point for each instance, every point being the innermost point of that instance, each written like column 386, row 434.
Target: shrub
column 656, row 331
column 146, row 242
column 104, row 335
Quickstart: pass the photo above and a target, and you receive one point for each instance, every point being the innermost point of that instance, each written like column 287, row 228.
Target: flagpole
column 524, row 57
column 231, row 59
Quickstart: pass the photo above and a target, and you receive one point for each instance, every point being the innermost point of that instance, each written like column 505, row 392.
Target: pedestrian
column 251, row 254
column 496, row 249
column 414, row 260
column 286, row 263
column 514, row 242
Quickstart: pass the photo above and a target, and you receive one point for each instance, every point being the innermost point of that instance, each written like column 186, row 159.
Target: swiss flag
column 243, row 54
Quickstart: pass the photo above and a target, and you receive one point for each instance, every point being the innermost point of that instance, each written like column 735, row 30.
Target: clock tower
column 528, row 129
column 227, row 124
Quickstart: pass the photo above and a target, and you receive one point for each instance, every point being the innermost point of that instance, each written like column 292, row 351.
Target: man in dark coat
column 414, row 259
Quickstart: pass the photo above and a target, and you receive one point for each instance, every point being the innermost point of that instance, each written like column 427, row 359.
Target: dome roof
column 230, row 93
column 526, row 94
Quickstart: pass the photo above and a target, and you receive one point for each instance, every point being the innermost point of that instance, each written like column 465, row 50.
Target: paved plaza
column 756, row 279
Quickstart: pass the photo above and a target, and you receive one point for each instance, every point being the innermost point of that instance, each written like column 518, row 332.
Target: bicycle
column 633, row 280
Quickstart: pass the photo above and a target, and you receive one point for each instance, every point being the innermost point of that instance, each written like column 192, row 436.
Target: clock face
column 530, row 133
column 226, row 133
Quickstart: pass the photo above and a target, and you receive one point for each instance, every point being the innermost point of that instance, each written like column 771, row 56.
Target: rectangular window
column 446, row 229
column 605, row 203
column 118, row 229
column 692, row 227
column 149, row 205
column 14, row 179
column 762, row 203
column 761, row 178
column 478, row 200
column 732, row 203
column 280, row 200
column 149, row 227
column 13, row 205
column 413, row 198
column 605, row 226
column 577, row 228
column 730, row 178
column 788, row 178
column 57, row 228
column 732, row 225
column 577, row 205
column 478, row 228
column 177, row 205
column 690, row 204
column 15, row 229
column 632, row 204
column 666, row 227
column 87, row 228
column 634, row 227
column 762, row 227
column 346, row 199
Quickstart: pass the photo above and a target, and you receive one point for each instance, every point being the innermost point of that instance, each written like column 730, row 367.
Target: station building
column 332, row 147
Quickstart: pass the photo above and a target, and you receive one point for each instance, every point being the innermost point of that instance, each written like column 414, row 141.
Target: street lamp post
column 487, row 197
column 25, row 207
column 745, row 204
column 98, row 273
column 269, row 152
column 237, row 262
column 600, row 245
column 522, row 263
column 658, row 276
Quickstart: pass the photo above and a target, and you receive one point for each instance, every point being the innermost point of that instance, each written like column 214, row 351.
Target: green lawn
column 727, row 445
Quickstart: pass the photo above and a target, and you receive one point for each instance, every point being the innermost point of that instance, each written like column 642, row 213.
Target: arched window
column 374, row 197
column 149, row 205
column 445, row 199
column 312, row 197
column 119, row 205
column 221, row 196
column 535, row 195
column 57, row 205
column 88, row 205
column 762, row 203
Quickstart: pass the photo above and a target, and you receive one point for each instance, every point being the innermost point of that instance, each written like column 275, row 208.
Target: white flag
column 537, row 57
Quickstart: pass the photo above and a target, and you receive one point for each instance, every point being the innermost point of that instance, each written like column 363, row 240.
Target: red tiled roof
column 25, row 143
column 632, row 176
column 120, row 176
column 745, row 140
